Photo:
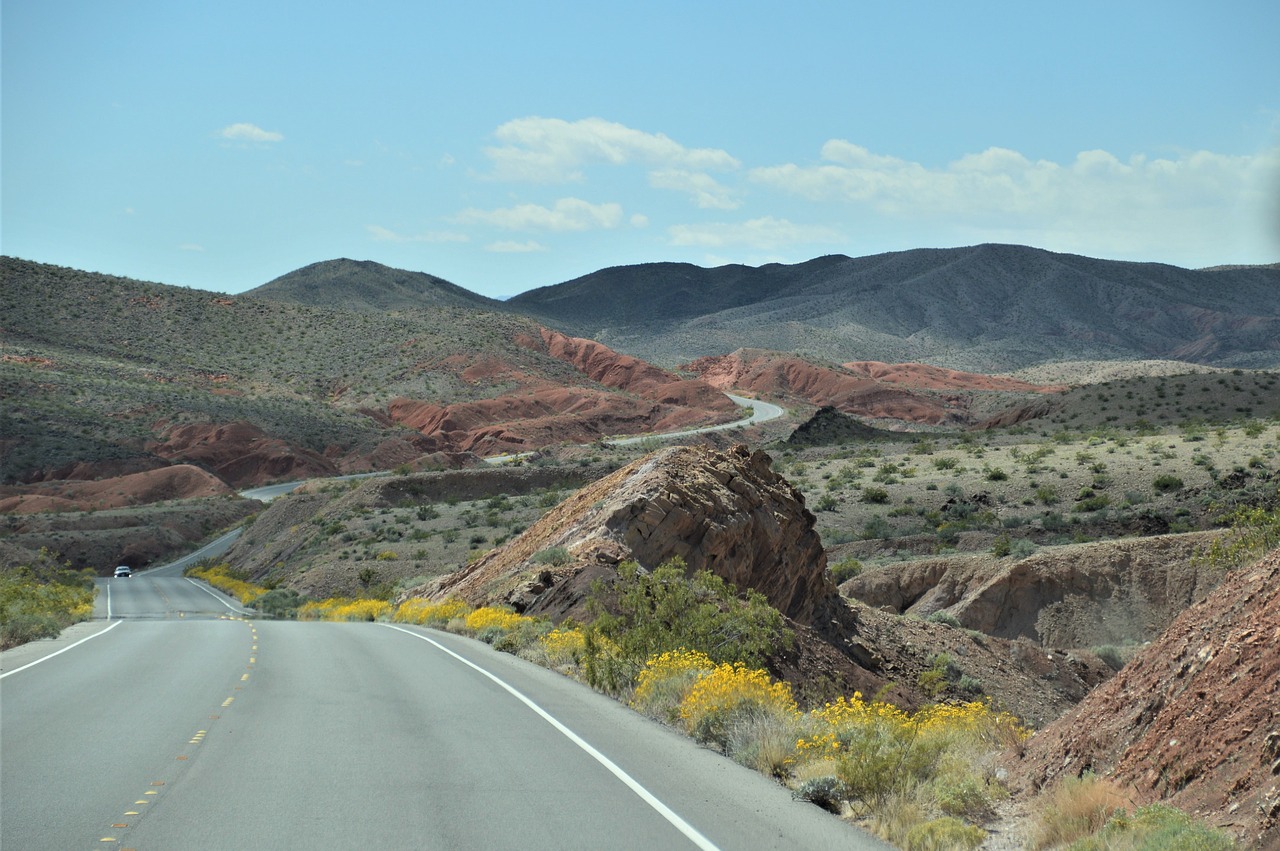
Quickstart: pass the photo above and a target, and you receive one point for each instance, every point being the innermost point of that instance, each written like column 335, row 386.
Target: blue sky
column 506, row 145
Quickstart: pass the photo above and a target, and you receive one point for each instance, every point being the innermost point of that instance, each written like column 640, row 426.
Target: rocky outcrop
column 1193, row 720
column 1115, row 592
column 828, row 426
column 727, row 512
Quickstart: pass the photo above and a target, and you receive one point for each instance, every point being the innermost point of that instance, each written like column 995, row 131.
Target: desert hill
column 986, row 308
column 366, row 286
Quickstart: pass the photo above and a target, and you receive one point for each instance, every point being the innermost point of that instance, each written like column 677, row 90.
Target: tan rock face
column 727, row 512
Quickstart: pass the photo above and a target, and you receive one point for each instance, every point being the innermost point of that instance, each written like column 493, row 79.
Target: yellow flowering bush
column 489, row 618
column 563, row 647
column 730, row 693
column 343, row 609
column 424, row 612
column 666, row 678
column 222, row 577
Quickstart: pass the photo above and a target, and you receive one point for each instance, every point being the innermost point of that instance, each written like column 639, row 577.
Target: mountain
column 363, row 285
column 985, row 308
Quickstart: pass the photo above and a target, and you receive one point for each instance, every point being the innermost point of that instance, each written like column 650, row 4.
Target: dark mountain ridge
column 983, row 308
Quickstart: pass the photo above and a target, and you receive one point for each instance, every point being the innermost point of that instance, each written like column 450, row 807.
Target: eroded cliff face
column 727, row 512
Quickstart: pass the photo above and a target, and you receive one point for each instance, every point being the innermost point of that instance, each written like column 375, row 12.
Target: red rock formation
column 1194, row 719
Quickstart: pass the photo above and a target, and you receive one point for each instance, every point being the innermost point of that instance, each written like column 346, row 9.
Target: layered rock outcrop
column 727, row 512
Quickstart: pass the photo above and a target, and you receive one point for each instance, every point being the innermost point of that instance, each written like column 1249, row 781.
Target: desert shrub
column 563, row 648
column 1254, row 530
column 827, row 502
column 1166, row 483
column 279, row 603
column 1075, row 808
column 828, row 792
column 553, row 556
column 875, row 496
column 1047, row 494
column 943, row 617
column 1157, row 827
column 666, row 610
column 996, row 474
column 944, row 834
column 845, row 569
column 1001, row 547
column 1022, row 548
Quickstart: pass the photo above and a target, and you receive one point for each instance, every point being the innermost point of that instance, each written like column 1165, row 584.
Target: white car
column 123, row 572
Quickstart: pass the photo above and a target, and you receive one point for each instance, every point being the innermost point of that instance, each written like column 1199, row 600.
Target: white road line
column 645, row 795
column 216, row 597
column 60, row 652
column 108, row 599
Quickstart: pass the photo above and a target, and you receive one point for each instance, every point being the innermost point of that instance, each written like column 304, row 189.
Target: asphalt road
column 182, row 725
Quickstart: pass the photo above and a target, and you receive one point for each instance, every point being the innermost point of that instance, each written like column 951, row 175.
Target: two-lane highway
column 184, row 727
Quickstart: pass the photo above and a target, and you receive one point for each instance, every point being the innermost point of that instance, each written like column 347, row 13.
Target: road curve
column 182, row 733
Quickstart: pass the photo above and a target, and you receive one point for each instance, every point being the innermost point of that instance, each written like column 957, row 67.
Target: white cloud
column 766, row 233
column 1187, row 205
column 509, row 247
column 707, row 192
column 190, row 246
column 382, row 234
column 568, row 214
column 249, row 133
column 639, row 220
column 553, row 150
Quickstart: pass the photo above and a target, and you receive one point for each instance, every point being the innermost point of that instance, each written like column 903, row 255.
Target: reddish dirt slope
column 928, row 377
column 1194, row 719
column 909, row 392
column 178, row 482
column 241, row 454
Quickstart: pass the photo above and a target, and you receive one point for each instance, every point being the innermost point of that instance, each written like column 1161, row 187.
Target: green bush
column 1166, row 483
column 875, row 496
column 844, row 570
column 553, row 556
column 664, row 610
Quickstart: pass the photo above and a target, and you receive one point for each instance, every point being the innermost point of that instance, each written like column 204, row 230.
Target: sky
column 505, row 146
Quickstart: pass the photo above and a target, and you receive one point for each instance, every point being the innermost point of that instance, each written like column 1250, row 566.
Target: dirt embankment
column 1193, row 720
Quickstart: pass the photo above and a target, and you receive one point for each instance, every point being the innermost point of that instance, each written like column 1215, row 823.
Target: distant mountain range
column 985, row 308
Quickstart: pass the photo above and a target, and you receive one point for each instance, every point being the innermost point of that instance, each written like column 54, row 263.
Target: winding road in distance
column 180, row 724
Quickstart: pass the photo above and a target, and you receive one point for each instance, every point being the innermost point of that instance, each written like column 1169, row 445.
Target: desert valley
column 1003, row 574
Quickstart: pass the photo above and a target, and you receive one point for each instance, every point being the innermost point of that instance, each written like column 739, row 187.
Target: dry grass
column 1075, row 808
